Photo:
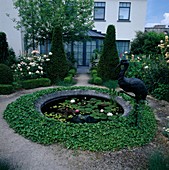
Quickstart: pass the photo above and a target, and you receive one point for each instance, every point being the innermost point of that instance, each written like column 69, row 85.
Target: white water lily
column 101, row 110
column 109, row 114
column 72, row 101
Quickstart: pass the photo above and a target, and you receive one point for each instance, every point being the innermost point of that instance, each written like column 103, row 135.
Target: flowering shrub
column 164, row 46
column 31, row 67
column 152, row 72
column 166, row 129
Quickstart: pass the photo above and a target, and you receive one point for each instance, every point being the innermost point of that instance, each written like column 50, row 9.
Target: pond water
column 81, row 109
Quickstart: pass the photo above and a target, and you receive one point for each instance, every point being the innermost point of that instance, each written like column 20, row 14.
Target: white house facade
column 128, row 16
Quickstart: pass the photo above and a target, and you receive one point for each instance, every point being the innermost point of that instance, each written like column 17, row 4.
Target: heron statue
column 133, row 85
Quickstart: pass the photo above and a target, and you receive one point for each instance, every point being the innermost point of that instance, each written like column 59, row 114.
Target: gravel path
column 22, row 154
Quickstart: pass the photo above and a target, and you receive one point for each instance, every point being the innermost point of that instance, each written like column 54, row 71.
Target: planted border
column 119, row 133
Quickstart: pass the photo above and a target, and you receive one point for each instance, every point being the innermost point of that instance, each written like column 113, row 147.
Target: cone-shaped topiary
column 109, row 58
column 3, row 48
column 6, row 75
column 58, row 67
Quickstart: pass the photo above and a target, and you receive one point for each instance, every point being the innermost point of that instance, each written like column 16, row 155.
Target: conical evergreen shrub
column 3, row 48
column 58, row 67
column 6, row 74
column 109, row 58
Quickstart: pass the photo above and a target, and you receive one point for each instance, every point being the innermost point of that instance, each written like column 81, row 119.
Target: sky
column 157, row 12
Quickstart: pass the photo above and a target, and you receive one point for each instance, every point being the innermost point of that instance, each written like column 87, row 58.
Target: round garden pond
column 26, row 117
column 82, row 106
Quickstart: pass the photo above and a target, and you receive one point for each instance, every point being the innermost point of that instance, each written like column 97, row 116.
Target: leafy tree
column 146, row 43
column 39, row 17
column 3, row 48
column 109, row 58
column 57, row 68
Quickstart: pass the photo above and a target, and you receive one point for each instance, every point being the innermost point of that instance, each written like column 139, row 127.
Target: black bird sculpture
column 133, row 85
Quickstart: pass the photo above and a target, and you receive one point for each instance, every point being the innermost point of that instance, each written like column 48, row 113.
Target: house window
column 122, row 46
column 124, row 11
column 99, row 11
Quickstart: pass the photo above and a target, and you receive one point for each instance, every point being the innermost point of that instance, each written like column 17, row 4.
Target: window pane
column 99, row 13
column 125, row 4
column 122, row 46
column 99, row 4
column 124, row 13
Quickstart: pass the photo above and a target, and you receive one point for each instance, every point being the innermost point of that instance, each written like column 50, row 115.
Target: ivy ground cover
column 120, row 132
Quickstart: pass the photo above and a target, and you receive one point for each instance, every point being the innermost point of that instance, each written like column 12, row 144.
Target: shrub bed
column 34, row 83
column 68, row 79
column 119, row 133
column 6, row 75
column 6, row 89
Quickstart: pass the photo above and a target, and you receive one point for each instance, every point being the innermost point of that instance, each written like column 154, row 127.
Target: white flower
column 41, row 72
column 30, row 72
column 72, row 101
column 20, row 69
column 39, row 67
column 45, row 55
column 146, row 67
column 161, row 41
column 30, row 58
column 101, row 110
column 28, row 67
column 167, row 130
column 32, row 64
column 47, row 59
column 109, row 114
column 37, row 71
column 35, row 51
column 50, row 53
column 19, row 65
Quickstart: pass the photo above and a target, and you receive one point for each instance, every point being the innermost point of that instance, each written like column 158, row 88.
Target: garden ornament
column 133, row 85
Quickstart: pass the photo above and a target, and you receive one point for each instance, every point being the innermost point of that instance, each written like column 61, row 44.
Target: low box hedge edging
column 119, row 133
column 34, row 83
column 6, row 89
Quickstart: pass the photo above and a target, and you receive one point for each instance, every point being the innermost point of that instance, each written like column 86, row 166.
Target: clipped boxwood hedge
column 6, row 89
column 119, row 133
column 68, row 79
column 34, row 83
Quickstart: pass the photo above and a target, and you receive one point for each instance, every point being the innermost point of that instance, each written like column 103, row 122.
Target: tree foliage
column 109, row 58
column 146, row 43
column 39, row 17
column 57, row 68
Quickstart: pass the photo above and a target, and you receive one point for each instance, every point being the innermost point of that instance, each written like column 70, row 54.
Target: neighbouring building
column 128, row 16
column 158, row 29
